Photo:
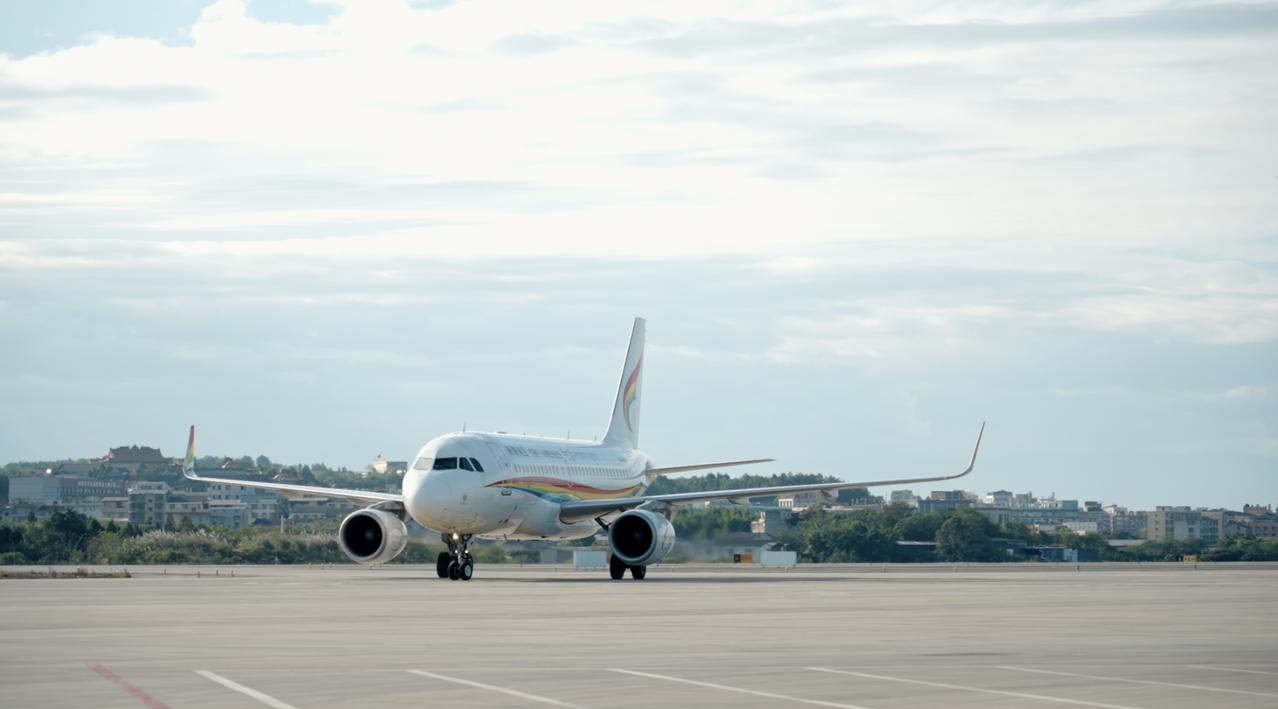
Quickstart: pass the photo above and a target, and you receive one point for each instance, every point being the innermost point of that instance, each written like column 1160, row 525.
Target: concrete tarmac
column 1141, row 636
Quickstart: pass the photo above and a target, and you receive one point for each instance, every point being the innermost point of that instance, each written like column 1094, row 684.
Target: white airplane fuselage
column 523, row 480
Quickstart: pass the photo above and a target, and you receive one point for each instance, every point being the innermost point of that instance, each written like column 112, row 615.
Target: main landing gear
column 456, row 563
column 617, row 569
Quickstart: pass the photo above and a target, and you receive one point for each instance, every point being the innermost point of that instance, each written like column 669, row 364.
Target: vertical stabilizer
column 623, row 429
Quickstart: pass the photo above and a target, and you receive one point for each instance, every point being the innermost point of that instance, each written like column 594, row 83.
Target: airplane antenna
column 463, row 426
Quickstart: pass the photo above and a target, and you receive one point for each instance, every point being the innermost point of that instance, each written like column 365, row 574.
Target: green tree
column 920, row 527
column 965, row 536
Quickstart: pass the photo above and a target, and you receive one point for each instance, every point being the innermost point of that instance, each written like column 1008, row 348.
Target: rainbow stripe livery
column 632, row 392
column 558, row 490
column 189, row 464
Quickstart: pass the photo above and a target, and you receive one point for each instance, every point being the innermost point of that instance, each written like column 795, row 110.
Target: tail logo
column 189, row 465
column 632, row 392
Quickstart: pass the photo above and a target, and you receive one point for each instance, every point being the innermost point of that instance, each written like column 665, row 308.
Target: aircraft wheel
column 638, row 572
column 454, row 570
column 467, row 570
column 441, row 564
column 616, row 569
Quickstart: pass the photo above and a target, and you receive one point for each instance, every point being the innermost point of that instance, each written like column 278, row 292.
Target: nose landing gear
column 456, row 563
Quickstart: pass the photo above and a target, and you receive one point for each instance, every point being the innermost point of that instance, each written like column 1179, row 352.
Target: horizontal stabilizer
column 653, row 472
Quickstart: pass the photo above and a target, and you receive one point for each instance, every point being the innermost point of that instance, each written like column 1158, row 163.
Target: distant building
column 115, row 509
column 947, row 495
column 147, row 506
column 1265, row 527
column 228, row 513
column 136, row 455
column 1064, row 554
column 772, row 521
column 1000, row 498
column 66, row 489
column 801, row 500
column 187, row 507
column 932, row 504
column 1178, row 523
column 308, row 510
column 1257, row 510
column 1120, row 520
column 742, row 547
column 20, row 511
column 382, row 466
column 904, row 497
column 1048, row 518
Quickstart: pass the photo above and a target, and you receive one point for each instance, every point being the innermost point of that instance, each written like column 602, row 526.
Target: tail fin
column 623, row 429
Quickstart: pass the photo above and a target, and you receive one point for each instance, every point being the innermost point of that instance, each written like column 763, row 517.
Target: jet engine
column 372, row 536
column 641, row 537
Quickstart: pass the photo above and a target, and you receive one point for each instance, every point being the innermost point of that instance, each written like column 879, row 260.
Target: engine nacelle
column 372, row 536
column 641, row 537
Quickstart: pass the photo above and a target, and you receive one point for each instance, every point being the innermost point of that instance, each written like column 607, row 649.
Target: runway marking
column 1139, row 681
column 262, row 697
column 503, row 690
column 742, row 690
column 942, row 685
column 1233, row 669
column 128, row 686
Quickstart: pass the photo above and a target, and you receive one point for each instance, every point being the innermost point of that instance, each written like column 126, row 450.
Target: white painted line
column 1232, row 669
column 942, row 685
column 503, row 690
column 262, row 697
column 742, row 690
column 1140, row 681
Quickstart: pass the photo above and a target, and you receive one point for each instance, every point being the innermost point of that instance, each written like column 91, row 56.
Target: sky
column 324, row 231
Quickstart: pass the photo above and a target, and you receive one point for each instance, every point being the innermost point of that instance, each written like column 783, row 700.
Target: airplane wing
column 362, row 497
column 580, row 510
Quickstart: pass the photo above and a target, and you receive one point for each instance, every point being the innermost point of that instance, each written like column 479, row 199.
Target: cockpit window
column 423, row 463
column 465, row 464
column 445, row 464
column 478, row 467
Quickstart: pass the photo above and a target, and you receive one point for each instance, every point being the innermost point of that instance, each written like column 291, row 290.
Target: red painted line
column 128, row 686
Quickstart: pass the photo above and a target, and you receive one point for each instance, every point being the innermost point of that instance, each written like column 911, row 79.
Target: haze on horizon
column 323, row 231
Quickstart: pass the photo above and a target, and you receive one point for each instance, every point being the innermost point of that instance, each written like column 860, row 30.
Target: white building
column 904, row 497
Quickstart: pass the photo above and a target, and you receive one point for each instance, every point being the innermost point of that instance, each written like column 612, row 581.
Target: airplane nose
column 430, row 499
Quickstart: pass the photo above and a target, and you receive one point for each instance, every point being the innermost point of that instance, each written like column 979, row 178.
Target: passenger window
column 445, row 464
column 478, row 467
column 423, row 463
column 465, row 464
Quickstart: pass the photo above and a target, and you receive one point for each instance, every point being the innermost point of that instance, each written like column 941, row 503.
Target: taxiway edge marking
column 1151, row 682
column 495, row 688
column 743, row 690
column 262, row 697
column 943, row 685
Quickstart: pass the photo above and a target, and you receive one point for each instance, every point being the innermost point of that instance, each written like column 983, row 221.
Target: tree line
column 820, row 535
column 68, row 537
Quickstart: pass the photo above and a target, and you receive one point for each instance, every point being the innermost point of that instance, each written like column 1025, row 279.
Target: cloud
column 900, row 206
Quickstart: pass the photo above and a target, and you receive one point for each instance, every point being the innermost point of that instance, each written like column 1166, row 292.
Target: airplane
column 502, row 486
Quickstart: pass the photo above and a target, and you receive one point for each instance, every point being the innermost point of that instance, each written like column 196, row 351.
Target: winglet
column 975, row 450
column 188, row 466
